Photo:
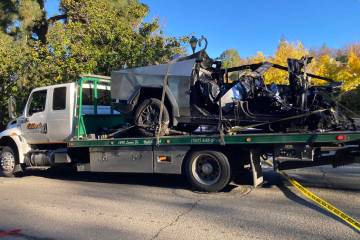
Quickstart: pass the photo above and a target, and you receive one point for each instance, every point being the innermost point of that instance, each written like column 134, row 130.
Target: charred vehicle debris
column 196, row 91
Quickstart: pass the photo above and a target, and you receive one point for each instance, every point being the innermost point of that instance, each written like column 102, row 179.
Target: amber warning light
column 164, row 159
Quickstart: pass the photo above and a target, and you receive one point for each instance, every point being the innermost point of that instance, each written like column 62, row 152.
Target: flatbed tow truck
column 60, row 125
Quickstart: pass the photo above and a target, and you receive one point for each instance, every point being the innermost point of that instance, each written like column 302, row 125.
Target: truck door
column 59, row 118
column 33, row 126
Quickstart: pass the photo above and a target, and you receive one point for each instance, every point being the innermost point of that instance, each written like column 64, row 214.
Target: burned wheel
column 8, row 162
column 147, row 117
column 208, row 171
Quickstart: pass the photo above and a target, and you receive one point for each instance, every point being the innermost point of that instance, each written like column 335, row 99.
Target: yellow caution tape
column 322, row 203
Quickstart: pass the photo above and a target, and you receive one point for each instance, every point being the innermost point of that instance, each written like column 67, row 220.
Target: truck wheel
column 208, row 171
column 8, row 162
column 147, row 115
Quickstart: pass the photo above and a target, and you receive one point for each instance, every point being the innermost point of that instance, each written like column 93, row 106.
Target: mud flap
column 18, row 168
column 256, row 169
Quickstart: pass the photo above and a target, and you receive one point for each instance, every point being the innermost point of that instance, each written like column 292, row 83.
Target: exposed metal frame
column 254, row 66
column 80, row 129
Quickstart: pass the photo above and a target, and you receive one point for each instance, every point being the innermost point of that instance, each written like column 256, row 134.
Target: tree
column 28, row 18
column 88, row 36
column 351, row 73
column 14, row 57
column 231, row 58
column 25, row 19
column 284, row 51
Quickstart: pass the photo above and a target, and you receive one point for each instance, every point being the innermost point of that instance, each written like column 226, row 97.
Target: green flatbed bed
column 246, row 139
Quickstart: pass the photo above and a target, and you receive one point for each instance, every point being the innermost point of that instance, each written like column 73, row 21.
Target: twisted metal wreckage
column 198, row 92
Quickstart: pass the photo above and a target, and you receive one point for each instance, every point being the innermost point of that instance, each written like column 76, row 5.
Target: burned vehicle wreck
column 195, row 91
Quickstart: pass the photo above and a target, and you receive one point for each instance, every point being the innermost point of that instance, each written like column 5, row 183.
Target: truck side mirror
column 12, row 108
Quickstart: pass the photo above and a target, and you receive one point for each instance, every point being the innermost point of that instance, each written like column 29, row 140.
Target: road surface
column 46, row 205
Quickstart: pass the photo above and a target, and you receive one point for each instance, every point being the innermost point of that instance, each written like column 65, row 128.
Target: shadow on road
column 141, row 179
column 338, row 179
column 307, row 178
column 295, row 198
column 274, row 179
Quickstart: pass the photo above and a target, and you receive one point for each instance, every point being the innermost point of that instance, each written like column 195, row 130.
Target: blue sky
column 256, row 25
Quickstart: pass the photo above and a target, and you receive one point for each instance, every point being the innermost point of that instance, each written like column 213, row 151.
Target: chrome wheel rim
column 206, row 169
column 7, row 161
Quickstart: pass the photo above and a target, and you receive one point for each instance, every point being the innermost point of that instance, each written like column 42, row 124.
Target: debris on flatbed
column 197, row 93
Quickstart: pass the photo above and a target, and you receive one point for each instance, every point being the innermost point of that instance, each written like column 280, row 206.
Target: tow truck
column 75, row 124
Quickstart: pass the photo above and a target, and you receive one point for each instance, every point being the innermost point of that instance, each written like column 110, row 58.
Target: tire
column 8, row 161
column 208, row 171
column 146, row 117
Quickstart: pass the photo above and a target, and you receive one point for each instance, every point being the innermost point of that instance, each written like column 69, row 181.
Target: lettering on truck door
column 34, row 126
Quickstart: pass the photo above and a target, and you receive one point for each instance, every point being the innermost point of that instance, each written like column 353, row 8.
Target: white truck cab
column 48, row 114
column 47, row 122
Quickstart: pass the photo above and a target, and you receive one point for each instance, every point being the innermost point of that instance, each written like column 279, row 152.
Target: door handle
column 44, row 130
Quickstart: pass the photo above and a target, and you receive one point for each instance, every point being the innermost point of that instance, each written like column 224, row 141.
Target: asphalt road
column 46, row 205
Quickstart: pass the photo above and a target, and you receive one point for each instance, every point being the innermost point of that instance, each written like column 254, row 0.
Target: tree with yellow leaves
column 284, row 51
column 259, row 57
column 352, row 71
column 323, row 64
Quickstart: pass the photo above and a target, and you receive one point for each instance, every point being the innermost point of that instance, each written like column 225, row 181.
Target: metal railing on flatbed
column 260, row 138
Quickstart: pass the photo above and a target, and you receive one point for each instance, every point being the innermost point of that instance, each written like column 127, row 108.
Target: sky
column 256, row 25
